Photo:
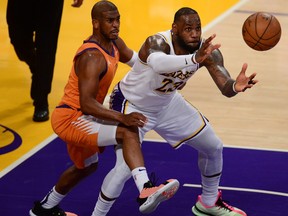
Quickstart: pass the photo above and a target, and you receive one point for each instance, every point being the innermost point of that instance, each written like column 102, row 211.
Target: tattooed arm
column 227, row 85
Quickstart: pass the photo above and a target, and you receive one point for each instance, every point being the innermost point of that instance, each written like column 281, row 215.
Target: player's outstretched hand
column 134, row 119
column 243, row 82
column 206, row 49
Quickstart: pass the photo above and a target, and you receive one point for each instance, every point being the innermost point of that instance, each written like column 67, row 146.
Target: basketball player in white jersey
column 165, row 62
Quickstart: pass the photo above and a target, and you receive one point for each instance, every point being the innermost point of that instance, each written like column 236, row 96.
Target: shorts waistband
column 66, row 106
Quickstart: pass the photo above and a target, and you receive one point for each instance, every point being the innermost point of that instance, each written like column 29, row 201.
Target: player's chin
column 114, row 37
column 192, row 46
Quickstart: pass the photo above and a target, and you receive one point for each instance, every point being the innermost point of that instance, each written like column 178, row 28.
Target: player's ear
column 95, row 23
column 174, row 28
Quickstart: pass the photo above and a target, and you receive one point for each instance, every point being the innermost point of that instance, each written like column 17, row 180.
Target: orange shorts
column 85, row 135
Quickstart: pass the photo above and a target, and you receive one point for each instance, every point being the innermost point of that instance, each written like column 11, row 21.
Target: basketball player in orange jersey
column 166, row 61
column 87, row 126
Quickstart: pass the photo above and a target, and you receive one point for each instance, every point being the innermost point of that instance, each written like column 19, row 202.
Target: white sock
column 140, row 177
column 52, row 199
column 210, row 187
column 102, row 206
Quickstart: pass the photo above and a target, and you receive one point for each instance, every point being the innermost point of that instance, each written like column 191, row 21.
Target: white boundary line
column 224, row 15
column 242, row 189
column 27, row 155
column 228, row 146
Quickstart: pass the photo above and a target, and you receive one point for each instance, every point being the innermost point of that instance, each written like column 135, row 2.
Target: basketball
column 261, row 31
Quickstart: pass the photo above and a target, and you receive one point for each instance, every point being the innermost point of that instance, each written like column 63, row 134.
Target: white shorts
column 176, row 123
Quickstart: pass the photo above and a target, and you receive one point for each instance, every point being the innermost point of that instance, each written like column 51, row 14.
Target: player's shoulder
column 159, row 38
column 165, row 35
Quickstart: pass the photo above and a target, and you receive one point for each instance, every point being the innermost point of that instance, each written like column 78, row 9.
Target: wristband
column 194, row 58
column 133, row 59
column 233, row 87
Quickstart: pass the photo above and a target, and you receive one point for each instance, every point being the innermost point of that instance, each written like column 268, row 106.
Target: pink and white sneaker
column 219, row 209
column 151, row 196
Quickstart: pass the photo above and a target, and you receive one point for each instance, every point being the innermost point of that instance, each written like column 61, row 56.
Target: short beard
column 108, row 37
column 190, row 49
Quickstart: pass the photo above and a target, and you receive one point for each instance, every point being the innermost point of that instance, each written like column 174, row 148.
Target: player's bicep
column 88, row 67
column 153, row 44
column 125, row 52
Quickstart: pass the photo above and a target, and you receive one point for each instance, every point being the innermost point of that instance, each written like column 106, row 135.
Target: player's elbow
column 155, row 61
column 85, row 107
column 229, row 95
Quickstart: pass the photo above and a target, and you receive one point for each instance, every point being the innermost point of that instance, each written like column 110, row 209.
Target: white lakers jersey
column 154, row 90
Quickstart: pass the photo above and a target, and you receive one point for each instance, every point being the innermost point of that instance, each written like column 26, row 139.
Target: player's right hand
column 134, row 119
column 206, row 49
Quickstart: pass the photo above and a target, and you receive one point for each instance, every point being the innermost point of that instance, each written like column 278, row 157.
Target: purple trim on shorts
column 117, row 99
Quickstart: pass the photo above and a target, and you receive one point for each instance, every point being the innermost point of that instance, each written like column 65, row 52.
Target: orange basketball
column 261, row 31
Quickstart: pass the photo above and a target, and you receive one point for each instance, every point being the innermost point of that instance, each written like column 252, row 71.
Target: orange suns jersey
column 71, row 91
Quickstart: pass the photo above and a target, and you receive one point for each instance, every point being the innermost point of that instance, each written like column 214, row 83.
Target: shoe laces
column 153, row 178
column 222, row 204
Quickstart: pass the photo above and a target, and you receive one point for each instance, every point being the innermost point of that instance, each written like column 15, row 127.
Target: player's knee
column 123, row 172
column 217, row 148
column 89, row 169
column 127, row 133
column 93, row 167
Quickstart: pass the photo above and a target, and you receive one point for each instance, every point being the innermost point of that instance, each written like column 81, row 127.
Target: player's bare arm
column 125, row 52
column 228, row 86
column 88, row 67
column 156, row 52
column 154, row 43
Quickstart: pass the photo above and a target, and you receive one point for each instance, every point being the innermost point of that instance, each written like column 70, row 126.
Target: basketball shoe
column 151, row 196
column 38, row 210
column 219, row 209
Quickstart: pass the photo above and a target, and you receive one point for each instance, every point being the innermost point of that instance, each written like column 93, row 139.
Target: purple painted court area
column 243, row 168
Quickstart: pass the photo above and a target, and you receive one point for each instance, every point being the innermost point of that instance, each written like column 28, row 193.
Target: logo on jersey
column 174, row 80
column 10, row 140
column 179, row 75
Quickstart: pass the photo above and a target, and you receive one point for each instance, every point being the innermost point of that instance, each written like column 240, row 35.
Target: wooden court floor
column 255, row 119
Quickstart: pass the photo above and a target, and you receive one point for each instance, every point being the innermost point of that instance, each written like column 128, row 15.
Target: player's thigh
column 206, row 141
column 83, row 130
column 179, row 122
column 119, row 103
column 85, row 135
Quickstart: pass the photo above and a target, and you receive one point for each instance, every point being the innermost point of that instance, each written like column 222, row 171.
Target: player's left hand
column 244, row 82
column 206, row 49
